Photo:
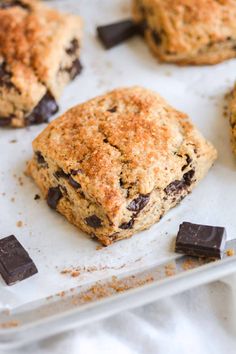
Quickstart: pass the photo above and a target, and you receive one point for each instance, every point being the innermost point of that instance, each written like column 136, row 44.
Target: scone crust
column 33, row 53
column 189, row 31
column 126, row 145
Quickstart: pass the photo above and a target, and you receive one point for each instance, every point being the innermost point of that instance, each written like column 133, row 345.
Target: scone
column 117, row 163
column 188, row 31
column 232, row 116
column 39, row 55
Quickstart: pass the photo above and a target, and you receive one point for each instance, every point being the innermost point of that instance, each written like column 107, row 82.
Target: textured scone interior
column 39, row 51
column 188, row 31
column 118, row 162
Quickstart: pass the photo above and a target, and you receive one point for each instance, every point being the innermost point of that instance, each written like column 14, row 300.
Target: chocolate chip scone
column 117, row 163
column 39, row 55
column 232, row 116
column 188, row 31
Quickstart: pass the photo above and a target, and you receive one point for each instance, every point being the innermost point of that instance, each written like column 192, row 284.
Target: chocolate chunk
column 188, row 161
column 76, row 172
column 5, row 122
column 112, row 110
column 43, row 111
column 127, row 225
column 201, row 240
column 5, row 76
column 53, row 197
column 73, row 48
column 10, row 3
column 60, row 174
column 113, row 34
column 40, row 159
column 73, row 183
column 15, row 262
column 93, row 221
column 178, row 185
column 75, row 69
column 156, row 37
column 139, row 203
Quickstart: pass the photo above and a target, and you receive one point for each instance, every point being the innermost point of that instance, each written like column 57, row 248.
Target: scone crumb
column 10, row 324
column 19, row 223
column 230, row 252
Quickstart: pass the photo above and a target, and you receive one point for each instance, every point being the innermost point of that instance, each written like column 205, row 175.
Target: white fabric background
column 199, row 321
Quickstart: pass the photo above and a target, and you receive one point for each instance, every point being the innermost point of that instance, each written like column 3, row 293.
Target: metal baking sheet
column 65, row 257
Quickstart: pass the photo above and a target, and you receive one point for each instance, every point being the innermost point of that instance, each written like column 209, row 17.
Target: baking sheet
column 54, row 244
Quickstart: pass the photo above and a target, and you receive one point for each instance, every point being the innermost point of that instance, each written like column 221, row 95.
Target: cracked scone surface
column 232, row 117
column 117, row 163
column 39, row 55
column 188, row 31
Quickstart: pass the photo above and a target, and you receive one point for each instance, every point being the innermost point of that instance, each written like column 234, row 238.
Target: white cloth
column 199, row 321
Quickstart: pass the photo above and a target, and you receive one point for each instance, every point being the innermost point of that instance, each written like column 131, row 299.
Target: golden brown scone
column 232, row 116
column 188, row 31
column 39, row 55
column 117, row 163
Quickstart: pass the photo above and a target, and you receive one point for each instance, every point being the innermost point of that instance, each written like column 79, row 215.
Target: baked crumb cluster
column 39, row 55
column 188, row 31
column 117, row 163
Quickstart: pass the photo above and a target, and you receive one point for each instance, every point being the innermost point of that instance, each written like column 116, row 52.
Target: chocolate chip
column 40, row 159
column 53, row 197
column 139, row 203
column 5, row 122
column 127, row 225
column 60, row 174
column 76, row 172
column 10, row 3
column 188, row 177
column 93, row 221
column 105, row 141
column 73, row 48
column 112, row 110
column 36, row 197
column 156, row 37
column 5, row 77
column 178, row 185
column 74, row 70
column 113, row 34
column 43, row 111
column 188, row 161
column 73, row 183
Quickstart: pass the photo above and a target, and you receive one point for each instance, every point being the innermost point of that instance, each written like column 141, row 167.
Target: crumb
column 170, row 270
column 36, row 197
column 230, row 252
column 19, row 223
column 20, row 180
column 13, row 141
column 75, row 273
column 12, row 200
column 9, row 324
column 99, row 247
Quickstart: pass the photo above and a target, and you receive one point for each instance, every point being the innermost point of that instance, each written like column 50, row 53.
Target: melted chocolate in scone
column 43, row 111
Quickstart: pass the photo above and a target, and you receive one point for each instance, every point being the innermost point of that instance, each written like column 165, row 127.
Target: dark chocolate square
column 15, row 262
column 201, row 240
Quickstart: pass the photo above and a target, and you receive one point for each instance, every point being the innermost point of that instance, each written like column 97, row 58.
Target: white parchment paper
column 51, row 241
